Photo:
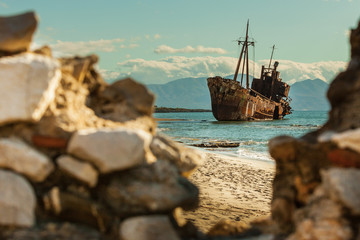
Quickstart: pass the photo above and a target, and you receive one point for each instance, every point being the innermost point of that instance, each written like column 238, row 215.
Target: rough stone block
column 153, row 188
column 20, row 157
column 156, row 227
column 82, row 171
column 16, row 32
column 28, row 82
column 185, row 158
column 348, row 139
column 17, row 201
column 342, row 186
column 110, row 149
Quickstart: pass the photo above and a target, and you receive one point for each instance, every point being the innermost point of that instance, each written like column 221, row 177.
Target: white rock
column 185, row 158
column 111, row 149
column 342, row 184
column 20, row 157
column 28, row 82
column 82, row 171
column 348, row 139
column 326, row 136
column 17, row 201
column 156, row 227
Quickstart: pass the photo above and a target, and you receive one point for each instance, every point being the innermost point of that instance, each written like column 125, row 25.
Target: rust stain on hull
column 231, row 102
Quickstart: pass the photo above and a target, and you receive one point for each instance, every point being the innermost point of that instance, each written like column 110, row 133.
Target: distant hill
column 193, row 93
column 309, row 95
column 189, row 93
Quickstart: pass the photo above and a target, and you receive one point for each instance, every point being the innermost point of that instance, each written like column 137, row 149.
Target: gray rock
column 282, row 148
column 156, row 227
column 20, row 157
column 134, row 94
column 82, row 171
column 17, row 201
column 111, row 149
column 324, row 229
column 342, row 186
column 52, row 231
column 185, row 158
column 149, row 189
column 16, row 32
column 70, row 206
column 28, row 82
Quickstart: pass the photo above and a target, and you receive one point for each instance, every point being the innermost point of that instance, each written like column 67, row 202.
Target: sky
column 157, row 41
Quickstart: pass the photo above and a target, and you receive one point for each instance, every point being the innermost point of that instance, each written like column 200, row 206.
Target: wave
column 163, row 129
column 252, row 142
column 306, row 125
column 263, row 156
column 289, row 127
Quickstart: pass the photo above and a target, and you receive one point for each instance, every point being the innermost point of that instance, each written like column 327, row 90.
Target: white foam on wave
column 252, row 142
column 246, row 153
column 163, row 129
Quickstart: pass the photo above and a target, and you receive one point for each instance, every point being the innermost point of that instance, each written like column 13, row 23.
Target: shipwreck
column 266, row 99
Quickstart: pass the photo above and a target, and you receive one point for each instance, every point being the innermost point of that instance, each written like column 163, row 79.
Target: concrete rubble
column 80, row 158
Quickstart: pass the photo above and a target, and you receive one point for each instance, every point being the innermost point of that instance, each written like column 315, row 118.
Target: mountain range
column 193, row 93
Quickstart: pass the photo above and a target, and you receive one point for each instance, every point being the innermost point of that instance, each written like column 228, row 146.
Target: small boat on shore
column 267, row 99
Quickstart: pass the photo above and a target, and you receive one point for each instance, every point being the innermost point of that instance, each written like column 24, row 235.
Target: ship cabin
column 270, row 85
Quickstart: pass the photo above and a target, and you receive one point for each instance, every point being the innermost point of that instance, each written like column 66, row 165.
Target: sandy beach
column 231, row 188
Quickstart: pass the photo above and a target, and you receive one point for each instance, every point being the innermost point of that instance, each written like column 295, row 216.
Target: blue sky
column 161, row 34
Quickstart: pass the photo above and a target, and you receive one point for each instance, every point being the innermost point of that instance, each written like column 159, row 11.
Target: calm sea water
column 253, row 136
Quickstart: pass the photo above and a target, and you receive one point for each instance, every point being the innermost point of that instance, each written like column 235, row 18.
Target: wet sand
column 231, row 188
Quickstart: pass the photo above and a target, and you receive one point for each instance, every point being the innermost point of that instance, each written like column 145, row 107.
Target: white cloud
column 65, row 48
column 292, row 72
column 176, row 67
column 109, row 75
column 189, row 49
column 154, row 37
column 171, row 68
column 132, row 45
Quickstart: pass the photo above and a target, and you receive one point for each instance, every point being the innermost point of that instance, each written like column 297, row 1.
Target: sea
column 253, row 136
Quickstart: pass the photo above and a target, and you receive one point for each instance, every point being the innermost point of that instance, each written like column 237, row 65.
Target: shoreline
column 174, row 110
column 231, row 188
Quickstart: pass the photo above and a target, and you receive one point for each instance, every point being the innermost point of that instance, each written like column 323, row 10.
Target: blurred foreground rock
column 316, row 194
column 17, row 200
column 80, row 158
column 16, row 33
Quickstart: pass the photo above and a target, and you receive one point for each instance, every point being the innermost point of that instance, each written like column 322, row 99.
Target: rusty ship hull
column 232, row 102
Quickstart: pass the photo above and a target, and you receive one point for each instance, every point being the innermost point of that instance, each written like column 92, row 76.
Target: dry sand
column 231, row 188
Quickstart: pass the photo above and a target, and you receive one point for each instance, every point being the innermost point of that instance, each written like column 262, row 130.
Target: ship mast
column 271, row 55
column 244, row 56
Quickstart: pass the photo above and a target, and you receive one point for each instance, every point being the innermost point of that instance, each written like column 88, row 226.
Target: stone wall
column 316, row 193
column 79, row 158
